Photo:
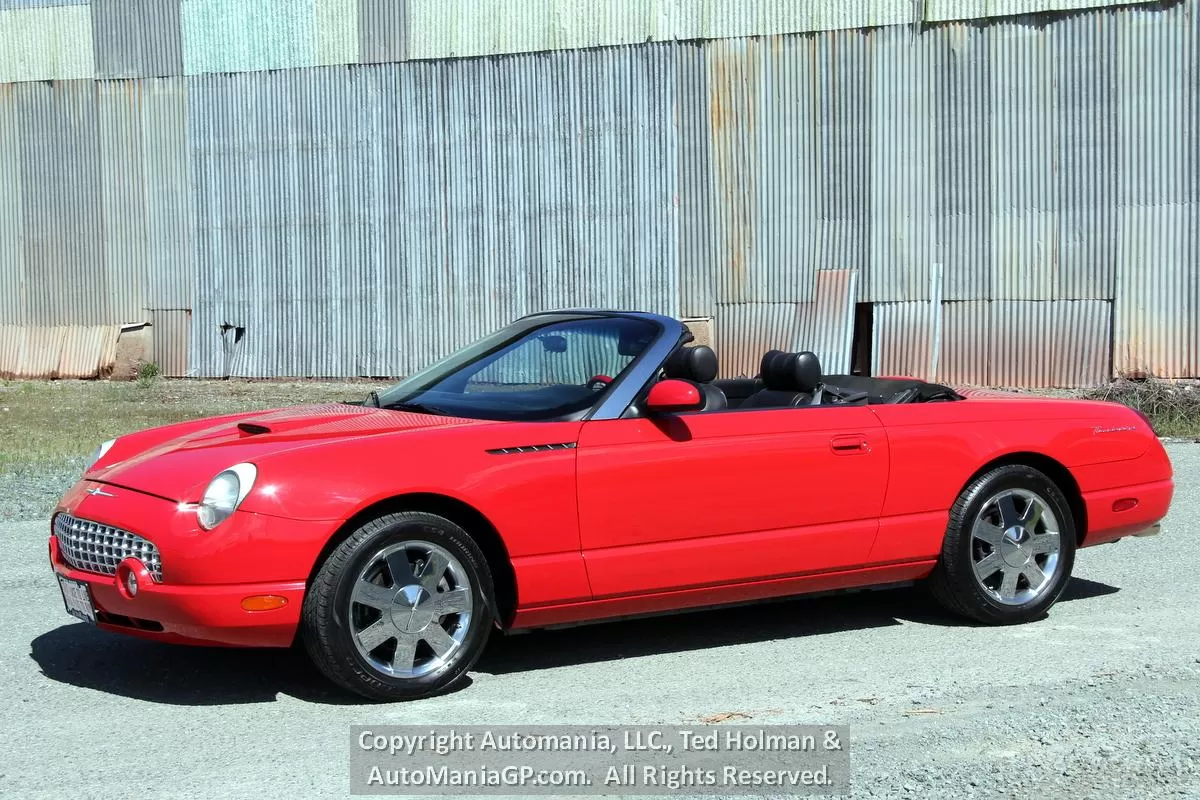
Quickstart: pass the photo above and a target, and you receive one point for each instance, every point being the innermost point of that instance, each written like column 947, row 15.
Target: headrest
column 791, row 372
column 697, row 364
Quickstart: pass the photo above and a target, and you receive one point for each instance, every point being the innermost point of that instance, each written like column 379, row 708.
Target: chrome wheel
column 410, row 609
column 1015, row 547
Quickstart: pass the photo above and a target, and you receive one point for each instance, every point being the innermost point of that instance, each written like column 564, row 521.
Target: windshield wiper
column 372, row 400
column 419, row 408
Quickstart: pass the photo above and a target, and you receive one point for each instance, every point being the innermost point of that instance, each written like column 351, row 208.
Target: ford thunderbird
column 584, row 465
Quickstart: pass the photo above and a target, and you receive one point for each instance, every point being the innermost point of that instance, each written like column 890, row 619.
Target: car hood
column 178, row 462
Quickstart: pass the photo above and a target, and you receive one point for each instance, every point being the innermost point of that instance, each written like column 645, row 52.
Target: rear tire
column 401, row 609
column 1009, row 548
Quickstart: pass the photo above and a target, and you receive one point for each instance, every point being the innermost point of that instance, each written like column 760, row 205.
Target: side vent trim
column 532, row 448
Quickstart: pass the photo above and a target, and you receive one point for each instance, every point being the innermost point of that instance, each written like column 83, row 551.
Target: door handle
column 849, row 445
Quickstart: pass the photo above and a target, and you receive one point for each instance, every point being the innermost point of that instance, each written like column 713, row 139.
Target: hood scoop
column 252, row 428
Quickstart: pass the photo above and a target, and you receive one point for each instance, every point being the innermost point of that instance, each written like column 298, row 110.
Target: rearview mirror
column 553, row 343
column 671, row 396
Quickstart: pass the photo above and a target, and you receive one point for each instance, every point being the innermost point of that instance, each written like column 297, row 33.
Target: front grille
column 93, row 547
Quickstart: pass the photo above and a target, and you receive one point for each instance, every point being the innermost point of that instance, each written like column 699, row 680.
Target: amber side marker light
column 263, row 602
column 1124, row 504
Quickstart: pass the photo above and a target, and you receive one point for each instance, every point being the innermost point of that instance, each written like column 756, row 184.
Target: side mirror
column 671, row 395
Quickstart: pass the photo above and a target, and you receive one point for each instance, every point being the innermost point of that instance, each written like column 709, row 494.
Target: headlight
column 98, row 454
column 225, row 494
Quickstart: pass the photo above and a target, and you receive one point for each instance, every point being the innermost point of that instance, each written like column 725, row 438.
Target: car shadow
column 1083, row 589
column 732, row 625
column 82, row 655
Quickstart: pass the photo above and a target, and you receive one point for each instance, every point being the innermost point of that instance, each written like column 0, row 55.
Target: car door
column 706, row 498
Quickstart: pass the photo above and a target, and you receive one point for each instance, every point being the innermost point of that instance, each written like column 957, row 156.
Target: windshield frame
column 610, row 403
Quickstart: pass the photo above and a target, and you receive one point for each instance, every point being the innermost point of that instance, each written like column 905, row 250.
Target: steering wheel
column 598, row 382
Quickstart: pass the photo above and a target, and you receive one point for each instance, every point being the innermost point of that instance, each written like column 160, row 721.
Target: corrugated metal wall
column 462, row 28
column 135, row 38
column 46, row 43
column 382, row 31
column 496, row 189
column 95, row 203
column 997, row 189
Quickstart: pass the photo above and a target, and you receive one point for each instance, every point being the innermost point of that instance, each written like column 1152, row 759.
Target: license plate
column 78, row 599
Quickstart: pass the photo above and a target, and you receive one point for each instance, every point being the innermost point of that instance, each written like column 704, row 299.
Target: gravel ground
column 32, row 492
column 1100, row 699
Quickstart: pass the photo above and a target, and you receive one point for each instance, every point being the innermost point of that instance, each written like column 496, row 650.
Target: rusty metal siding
column 87, row 352
column 744, row 331
column 12, row 350
column 78, row 232
column 250, row 35
column 902, row 168
column 170, row 332
column 593, row 169
column 336, row 30
column 1082, row 337
column 777, row 173
column 718, row 19
column 1157, row 326
column 1010, row 162
column 1087, row 171
column 963, row 358
column 697, row 253
column 63, row 351
column 734, row 116
column 978, row 9
column 1062, row 343
column 382, row 30
column 987, row 149
column 826, row 325
column 46, row 43
column 12, row 258
column 122, row 185
column 1048, row 344
column 239, row 35
column 960, row 208
column 169, row 194
column 9, row 4
column 523, row 183
column 467, row 28
column 137, row 38
column 1024, row 192
column 902, row 339
column 62, row 223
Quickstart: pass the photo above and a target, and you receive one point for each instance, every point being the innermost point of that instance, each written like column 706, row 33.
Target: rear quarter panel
column 937, row 447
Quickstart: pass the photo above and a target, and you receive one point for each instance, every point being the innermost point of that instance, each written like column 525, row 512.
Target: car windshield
column 540, row 368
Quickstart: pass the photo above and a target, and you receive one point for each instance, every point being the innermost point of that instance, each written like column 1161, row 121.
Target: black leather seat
column 736, row 390
column 789, row 380
column 699, row 366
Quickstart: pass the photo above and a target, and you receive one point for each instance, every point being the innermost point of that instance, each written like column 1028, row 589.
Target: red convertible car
column 583, row 465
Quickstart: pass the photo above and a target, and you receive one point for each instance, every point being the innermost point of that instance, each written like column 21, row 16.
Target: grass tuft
column 147, row 372
column 46, row 424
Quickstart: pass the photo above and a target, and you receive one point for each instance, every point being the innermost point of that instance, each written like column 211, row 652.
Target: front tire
column 401, row 609
column 1009, row 548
